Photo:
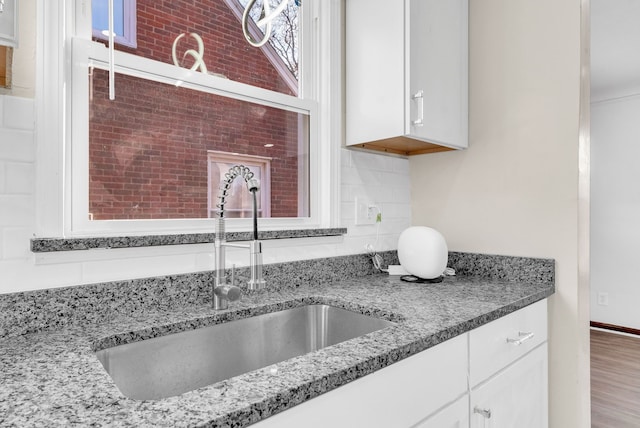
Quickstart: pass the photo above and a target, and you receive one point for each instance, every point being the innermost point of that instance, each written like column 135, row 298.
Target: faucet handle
column 227, row 292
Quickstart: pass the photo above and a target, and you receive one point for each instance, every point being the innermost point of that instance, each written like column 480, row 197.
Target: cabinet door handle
column 485, row 413
column 419, row 96
column 522, row 337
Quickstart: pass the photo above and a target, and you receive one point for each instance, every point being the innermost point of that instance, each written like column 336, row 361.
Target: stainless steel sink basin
column 180, row 362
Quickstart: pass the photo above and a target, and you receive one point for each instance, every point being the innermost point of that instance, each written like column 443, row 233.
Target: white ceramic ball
column 423, row 252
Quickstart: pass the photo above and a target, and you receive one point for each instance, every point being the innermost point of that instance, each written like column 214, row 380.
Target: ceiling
column 615, row 48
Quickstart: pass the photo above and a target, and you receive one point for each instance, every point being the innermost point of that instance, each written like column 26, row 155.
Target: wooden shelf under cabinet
column 403, row 146
column 5, row 66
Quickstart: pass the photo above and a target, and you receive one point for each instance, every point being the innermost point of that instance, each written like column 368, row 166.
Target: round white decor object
column 423, row 252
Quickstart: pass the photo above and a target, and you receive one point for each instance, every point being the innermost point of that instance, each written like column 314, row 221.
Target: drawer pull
column 486, row 413
column 522, row 337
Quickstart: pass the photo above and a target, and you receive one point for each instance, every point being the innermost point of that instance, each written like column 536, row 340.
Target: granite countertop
column 53, row 378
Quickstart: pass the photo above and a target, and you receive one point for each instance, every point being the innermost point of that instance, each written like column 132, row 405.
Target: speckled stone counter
column 52, row 377
column 43, row 245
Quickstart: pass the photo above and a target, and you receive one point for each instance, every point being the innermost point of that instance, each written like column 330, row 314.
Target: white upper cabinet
column 407, row 75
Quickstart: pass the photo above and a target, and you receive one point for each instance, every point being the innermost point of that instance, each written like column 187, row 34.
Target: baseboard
column 613, row 327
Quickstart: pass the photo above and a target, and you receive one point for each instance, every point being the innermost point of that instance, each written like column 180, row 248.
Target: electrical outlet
column 366, row 212
column 603, row 299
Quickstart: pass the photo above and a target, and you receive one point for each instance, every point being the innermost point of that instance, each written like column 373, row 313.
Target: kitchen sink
column 176, row 363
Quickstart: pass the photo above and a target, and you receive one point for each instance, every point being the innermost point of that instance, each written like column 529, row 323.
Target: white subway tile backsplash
column 347, row 213
column 400, row 165
column 15, row 243
column 19, row 178
column 397, row 194
column 345, row 158
column 384, row 181
column 24, row 275
column 347, row 193
column 18, row 113
column 16, row 210
column 16, row 145
column 137, row 267
column 349, row 176
column 2, row 178
column 394, row 211
column 371, row 161
column 395, row 179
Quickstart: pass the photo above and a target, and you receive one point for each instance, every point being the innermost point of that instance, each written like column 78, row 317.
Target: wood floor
column 615, row 380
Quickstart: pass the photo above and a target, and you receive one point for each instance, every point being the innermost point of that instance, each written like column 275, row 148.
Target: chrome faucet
column 223, row 292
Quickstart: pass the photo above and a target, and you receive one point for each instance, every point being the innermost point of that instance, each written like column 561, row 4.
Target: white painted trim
column 50, row 117
column 96, row 54
column 331, row 104
column 584, row 203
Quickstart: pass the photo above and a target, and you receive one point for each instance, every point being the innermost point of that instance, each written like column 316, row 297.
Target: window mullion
column 145, row 68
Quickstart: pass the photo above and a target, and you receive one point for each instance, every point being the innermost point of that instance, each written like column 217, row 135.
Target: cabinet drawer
column 497, row 344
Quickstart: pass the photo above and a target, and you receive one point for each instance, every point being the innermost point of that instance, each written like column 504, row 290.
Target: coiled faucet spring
column 222, row 293
column 234, row 172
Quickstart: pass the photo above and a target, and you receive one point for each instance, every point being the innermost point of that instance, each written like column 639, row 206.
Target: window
column 147, row 149
column 124, row 21
column 238, row 98
column 304, row 118
column 241, row 202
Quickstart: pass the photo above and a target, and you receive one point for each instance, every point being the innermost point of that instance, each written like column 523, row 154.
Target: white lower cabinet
column 398, row 396
column 494, row 376
column 515, row 397
column 508, row 373
column 455, row 415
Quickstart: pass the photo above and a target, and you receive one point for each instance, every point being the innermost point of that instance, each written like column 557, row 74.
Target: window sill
column 45, row 245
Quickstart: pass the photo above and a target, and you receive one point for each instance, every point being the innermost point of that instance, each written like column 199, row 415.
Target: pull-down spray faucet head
column 253, row 184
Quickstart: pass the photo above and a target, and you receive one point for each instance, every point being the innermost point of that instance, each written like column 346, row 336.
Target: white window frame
column 66, row 51
column 129, row 38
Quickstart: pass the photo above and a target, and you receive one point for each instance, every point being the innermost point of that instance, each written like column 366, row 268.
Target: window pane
column 160, row 25
column 284, row 29
column 148, row 149
column 100, row 16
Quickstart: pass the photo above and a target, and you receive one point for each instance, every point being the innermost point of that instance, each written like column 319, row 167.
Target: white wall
column 515, row 190
column 615, row 211
column 382, row 180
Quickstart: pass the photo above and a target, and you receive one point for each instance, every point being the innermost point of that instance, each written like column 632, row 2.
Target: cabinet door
column 375, row 70
column 515, row 397
column 438, row 76
column 455, row 415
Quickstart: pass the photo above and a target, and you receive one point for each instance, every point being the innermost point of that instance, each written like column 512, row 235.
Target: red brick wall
column 148, row 148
